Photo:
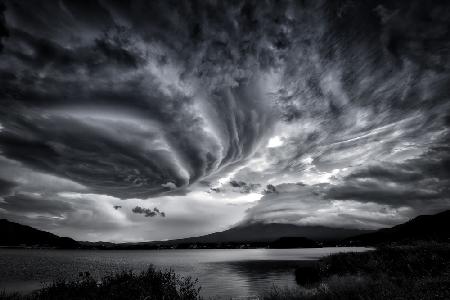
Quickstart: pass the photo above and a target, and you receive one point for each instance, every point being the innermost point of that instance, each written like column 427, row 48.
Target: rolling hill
column 425, row 227
column 422, row 228
column 17, row 235
column 261, row 232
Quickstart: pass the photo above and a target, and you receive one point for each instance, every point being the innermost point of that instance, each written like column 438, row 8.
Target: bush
column 405, row 272
column 149, row 284
column 308, row 275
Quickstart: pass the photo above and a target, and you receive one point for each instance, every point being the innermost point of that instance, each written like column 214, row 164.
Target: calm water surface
column 221, row 273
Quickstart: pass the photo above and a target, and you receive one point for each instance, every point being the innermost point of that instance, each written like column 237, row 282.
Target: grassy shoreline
column 148, row 284
column 420, row 271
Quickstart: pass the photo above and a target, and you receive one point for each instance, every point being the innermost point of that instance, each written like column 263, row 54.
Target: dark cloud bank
column 142, row 99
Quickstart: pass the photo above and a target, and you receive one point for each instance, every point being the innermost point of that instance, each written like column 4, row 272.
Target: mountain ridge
column 269, row 232
column 421, row 228
column 17, row 235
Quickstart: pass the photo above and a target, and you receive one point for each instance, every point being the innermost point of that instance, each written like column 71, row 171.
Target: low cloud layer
column 324, row 112
column 370, row 197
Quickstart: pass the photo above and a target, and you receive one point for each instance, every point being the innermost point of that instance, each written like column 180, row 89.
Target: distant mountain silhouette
column 293, row 242
column 425, row 227
column 17, row 235
column 265, row 233
column 274, row 235
column 258, row 234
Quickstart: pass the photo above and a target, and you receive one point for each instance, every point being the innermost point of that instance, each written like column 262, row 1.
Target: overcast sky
column 155, row 120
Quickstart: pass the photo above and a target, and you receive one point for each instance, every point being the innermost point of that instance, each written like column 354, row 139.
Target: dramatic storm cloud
column 219, row 112
column 147, row 212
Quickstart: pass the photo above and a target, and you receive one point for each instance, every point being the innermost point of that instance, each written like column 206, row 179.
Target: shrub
column 149, row 284
column 307, row 275
column 402, row 272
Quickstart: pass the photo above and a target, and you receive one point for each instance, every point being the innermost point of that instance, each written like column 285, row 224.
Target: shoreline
column 250, row 263
column 415, row 271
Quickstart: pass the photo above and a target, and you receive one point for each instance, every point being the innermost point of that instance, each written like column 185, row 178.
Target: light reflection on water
column 221, row 272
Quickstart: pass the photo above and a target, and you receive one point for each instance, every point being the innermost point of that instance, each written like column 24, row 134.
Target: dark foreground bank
column 420, row 271
column 149, row 284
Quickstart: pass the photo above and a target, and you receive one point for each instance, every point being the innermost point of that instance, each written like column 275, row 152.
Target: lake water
column 221, row 273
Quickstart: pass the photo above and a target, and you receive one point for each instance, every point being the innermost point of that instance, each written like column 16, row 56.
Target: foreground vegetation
column 400, row 272
column 149, row 284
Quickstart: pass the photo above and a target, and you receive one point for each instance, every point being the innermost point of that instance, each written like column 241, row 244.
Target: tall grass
column 404, row 272
column 149, row 284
